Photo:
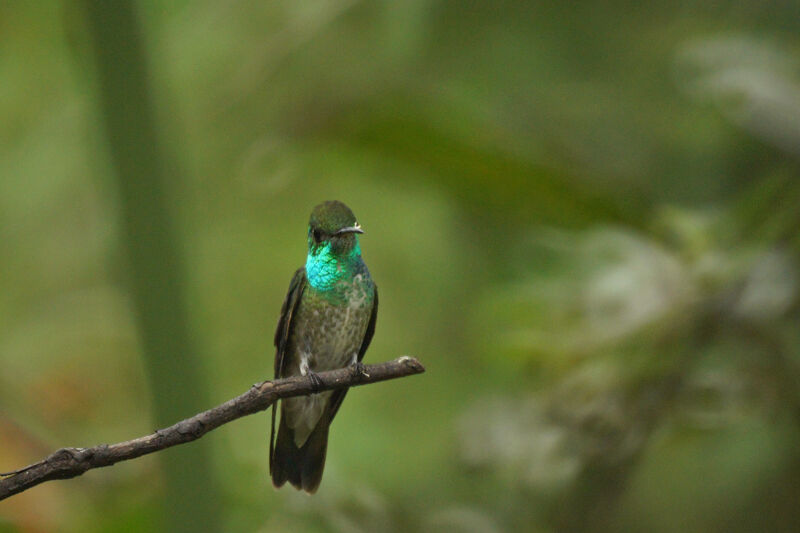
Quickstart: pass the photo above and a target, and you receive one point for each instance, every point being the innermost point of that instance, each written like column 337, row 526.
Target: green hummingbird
column 326, row 322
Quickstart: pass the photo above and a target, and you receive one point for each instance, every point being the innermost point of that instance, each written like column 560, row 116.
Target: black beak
column 350, row 229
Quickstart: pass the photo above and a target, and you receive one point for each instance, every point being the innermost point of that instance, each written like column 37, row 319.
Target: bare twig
column 71, row 462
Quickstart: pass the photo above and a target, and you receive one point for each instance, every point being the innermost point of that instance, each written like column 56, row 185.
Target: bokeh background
column 582, row 217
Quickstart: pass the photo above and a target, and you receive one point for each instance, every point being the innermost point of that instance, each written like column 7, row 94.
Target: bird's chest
column 330, row 327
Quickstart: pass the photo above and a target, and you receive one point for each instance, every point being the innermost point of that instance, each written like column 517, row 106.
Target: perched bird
column 327, row 322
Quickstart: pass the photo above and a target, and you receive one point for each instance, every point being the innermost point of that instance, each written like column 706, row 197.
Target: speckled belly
column 327, row 334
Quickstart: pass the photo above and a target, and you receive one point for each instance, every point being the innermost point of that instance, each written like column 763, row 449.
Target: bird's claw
column 316, row 381
column 359, row 369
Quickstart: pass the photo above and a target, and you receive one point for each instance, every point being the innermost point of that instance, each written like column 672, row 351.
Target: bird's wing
column 338, row 396
column 285, row 321
column 370, row 327
column 282, row 334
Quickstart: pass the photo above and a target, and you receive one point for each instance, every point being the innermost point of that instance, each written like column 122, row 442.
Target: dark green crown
column 331, row 216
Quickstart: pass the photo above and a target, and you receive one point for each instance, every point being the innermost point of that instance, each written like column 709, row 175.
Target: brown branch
column 72, row 462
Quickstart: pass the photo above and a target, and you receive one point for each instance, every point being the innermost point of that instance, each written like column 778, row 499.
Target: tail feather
column 302, row 467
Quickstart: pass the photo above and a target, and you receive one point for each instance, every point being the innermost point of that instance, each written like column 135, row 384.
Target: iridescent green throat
column 324, row 268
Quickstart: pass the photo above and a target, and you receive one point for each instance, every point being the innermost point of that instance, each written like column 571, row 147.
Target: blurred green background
column 582, row 217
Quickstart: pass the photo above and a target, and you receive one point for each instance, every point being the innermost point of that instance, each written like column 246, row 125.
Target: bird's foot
column 316, row 381
column 359, row 369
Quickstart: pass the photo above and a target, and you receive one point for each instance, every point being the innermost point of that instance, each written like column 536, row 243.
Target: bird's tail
column 302, row 467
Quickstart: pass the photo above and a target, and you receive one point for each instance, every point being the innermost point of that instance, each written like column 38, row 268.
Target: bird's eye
column 317, row 234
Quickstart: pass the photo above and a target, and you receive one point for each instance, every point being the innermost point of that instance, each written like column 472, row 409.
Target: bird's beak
column 350, row 229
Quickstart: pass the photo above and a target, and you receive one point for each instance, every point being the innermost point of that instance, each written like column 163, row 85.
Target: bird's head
column 333, row 229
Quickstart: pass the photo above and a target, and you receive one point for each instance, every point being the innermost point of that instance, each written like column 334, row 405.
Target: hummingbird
column 327, row 322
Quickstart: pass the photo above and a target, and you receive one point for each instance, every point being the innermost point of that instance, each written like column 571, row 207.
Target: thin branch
column 71, row 462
